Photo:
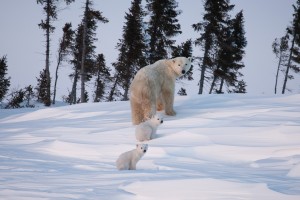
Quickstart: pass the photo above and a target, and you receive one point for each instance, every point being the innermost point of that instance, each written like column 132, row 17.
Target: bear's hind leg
column 160, row 104
column 149, row 109
column 136, row 112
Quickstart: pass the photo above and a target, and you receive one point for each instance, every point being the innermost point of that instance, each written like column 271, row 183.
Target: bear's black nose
column 183, row 71
column 145, row 151
column 162, row 121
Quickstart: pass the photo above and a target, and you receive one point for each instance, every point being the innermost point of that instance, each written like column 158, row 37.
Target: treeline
column 221, row 40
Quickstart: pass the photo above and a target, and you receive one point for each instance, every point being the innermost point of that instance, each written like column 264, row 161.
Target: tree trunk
column 82, row 72
column 97, row 86
column 111, row 94
column 202, row 76
column 289, row 64
column 213, row 83
column 73, row 95
column 278, row 67
column 56, row 75
column 126, row 90
column 221, row 86
column 47, row 101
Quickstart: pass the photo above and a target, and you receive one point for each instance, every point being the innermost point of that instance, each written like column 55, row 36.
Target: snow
column 218, row 147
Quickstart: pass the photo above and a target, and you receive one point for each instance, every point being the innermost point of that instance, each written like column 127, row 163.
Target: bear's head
column 142, row 148
column 181, row 65
column 156, row 120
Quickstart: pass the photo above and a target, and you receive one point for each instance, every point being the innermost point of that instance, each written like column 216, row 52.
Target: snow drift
column 217, row 147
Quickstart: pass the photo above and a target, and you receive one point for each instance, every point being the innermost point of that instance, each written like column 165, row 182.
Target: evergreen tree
column 84, row 51
column 294, row 37
column 50, row 9
column 29, row 96
column 280, row 49
column 65, row 49
column 131, row 47
column 89, row 24
column 42, row 87
column 182, row 92
column 162, row 27
column 102, row 78
column 16, row 99
column 214, row 23
column 4, row 80
column 241, row 87
column 231, row 52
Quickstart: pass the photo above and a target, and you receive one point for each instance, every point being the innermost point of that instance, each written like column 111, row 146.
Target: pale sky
column 23, row 42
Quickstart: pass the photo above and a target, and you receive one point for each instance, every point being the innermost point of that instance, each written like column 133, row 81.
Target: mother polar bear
column 153, row 88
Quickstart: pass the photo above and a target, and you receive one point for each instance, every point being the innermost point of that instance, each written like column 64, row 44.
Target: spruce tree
column 16, row 99
column 65, row 49
column 29, row 96
column 280, row 49
column 50, row 9
column 294, row 53
column 4, row 80
column 89, row 24
column 162, row 27
column 42, row 87
column 84, row 55
column 102, row 79
column 231, row 52
column 214, row 22
column 131, row 47
column 241, row 87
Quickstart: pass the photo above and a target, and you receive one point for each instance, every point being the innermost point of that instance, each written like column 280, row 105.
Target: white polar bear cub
column 129, row 159
column 147, row 130
column 153, row 88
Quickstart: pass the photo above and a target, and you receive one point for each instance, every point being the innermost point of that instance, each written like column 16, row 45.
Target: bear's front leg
column 168, row 99
column 132, row 166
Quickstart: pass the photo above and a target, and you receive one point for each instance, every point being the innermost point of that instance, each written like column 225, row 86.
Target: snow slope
column 217, row 147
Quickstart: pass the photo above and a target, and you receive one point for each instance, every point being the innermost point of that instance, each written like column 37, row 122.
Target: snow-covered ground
column 217, row 147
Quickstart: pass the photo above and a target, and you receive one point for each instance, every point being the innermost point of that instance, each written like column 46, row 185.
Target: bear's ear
column 173, row 60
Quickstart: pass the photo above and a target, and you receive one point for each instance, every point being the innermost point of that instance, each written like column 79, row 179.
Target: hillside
column 217, row 147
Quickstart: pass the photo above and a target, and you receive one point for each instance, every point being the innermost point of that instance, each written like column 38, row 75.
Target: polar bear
column 147, row 130
column 129, row 159
column 153, row 88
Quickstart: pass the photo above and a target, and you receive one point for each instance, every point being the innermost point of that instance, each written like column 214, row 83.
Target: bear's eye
column 179, row 65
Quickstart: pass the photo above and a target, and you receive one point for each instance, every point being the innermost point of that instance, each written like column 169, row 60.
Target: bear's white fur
column 147, row 130
column 129, row 159
column 153, row 88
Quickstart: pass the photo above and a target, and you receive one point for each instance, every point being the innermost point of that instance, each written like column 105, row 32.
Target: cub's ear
column 173, row 60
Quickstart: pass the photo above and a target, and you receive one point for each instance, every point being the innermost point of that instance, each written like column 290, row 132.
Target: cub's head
column 156, row 120
column 142, row 148
column 181, row 65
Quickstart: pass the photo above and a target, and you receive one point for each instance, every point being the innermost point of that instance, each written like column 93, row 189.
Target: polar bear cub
column 129, row 159
column 147, row 130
